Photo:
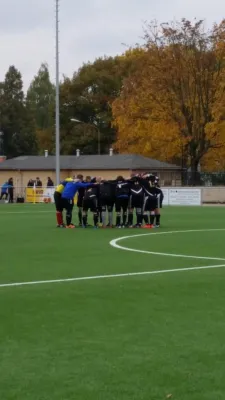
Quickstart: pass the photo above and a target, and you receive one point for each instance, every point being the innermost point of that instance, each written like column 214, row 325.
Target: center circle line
column 114, row 243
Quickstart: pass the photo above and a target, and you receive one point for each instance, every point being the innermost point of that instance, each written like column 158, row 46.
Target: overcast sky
column 88, row 29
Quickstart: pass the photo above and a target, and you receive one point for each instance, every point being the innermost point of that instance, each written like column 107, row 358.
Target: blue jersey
column 5, row 187
column 72, row 188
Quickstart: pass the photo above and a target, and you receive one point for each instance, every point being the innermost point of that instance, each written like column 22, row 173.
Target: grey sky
column 89, row 29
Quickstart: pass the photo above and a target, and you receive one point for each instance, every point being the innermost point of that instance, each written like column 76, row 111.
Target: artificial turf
column 147, row 337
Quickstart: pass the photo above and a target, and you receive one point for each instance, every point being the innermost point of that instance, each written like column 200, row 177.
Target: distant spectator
column 38, row 182
column 10, row 189
column 30, row 183
column 4, row 191
column 50, row 182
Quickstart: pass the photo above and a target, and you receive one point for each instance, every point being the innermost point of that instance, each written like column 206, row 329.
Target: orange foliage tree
column 214, row 159
column 173, row 106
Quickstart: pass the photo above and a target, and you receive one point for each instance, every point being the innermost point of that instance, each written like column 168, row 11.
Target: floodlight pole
column 57, row 117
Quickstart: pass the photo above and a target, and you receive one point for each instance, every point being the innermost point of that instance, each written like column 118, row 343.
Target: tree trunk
column 195, row 178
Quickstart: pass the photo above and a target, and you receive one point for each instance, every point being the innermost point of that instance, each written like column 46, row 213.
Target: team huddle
column 139, row 196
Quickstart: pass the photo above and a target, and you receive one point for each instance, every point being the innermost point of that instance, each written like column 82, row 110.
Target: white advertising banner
column 184, row 197
column 166, row 196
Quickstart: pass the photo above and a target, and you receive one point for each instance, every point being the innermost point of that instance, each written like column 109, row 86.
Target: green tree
column 40, row 102
column 79, row 136
column 16, row 124
column 88, row 97
column 41, row 98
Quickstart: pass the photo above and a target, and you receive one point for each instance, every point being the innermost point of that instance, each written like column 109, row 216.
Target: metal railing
column 29, row 194
column 207, row 179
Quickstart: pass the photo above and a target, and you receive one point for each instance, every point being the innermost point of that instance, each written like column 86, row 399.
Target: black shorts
column 68, row 204
column 136, row 201
column 150, row 203
column 121, row 203
column 58, row 201
column 90, row 203
column 80, row 200
column 106, row 202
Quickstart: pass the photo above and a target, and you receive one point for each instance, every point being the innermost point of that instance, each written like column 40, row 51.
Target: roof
column 89, row 162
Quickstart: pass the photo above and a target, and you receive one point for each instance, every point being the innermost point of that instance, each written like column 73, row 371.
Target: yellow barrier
column 36, row 195
column 41, row 195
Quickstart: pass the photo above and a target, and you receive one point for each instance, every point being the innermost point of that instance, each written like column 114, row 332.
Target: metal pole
column 57, row 119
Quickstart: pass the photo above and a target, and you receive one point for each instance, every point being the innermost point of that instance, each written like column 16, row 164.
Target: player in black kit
column 122, row 195
column 153, row 199
column 160, row 198
column 106, row 202
column 80, row 196
column 136, row 202
column 90, row 202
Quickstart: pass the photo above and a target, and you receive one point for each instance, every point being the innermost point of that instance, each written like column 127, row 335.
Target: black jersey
column 137, row 195
column 92, row 191
column 107, row 189
column 81, row 191
column 149, row 190
column 80, row 194
column 122, row 189
column 136, row 189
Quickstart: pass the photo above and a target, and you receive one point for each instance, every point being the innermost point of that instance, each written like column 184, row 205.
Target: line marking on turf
column 96, row 277
column 114, row 243
column 25, row 212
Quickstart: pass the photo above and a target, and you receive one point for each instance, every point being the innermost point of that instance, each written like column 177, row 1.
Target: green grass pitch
column 140, row 337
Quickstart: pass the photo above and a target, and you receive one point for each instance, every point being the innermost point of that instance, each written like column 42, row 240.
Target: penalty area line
column 96, row 277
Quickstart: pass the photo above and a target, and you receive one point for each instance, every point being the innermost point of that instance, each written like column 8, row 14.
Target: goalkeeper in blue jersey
column 68, row 198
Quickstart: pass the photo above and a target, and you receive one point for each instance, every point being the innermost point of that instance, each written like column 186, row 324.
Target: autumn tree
column 172, row 107
column 214, row 159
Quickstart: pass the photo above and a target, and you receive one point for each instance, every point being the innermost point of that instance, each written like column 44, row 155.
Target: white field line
column 114, row 243
column 25, row 212
column 89, row 278
column 30, row 208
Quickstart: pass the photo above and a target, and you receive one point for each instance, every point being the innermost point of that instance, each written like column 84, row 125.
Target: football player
column 122, row 195
column 106, row 202
column 59, row 202
column 136, row 202
column 90, row 202
column 68, row 198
